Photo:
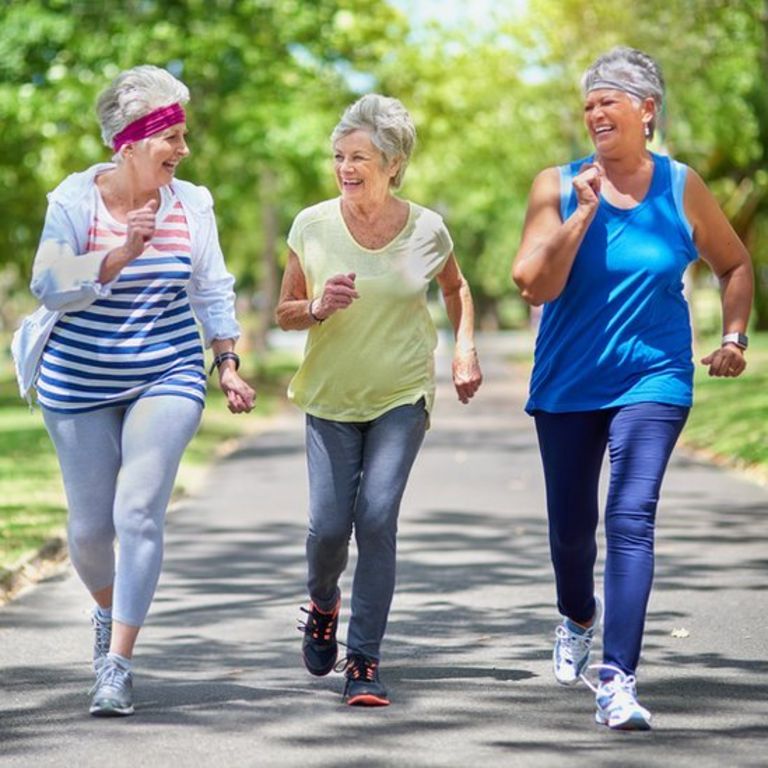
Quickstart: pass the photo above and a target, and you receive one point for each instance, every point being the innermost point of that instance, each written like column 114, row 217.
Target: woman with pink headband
column 129, row 261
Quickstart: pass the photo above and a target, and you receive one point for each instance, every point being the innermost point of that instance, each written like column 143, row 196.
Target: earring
column 647, row 130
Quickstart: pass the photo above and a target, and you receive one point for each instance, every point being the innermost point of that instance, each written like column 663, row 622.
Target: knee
column 93, row 536
column 138, row 524
column 631, row 526
column 378, row 529
column 328, row 537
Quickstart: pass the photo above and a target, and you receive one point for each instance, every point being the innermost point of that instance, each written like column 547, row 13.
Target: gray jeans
column 119, row 465
column 357, row 476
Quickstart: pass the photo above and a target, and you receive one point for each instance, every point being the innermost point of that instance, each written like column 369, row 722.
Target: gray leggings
column 119, row 465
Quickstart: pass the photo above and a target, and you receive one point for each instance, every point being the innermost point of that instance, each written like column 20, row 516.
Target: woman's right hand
column 141, row 228
column 139, row 231
column 338, row 293
column 586, row 185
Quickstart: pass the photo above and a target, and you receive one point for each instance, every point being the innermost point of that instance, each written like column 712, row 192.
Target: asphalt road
column 219, row 680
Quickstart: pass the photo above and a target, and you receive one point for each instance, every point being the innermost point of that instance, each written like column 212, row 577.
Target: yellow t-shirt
column 378, row 353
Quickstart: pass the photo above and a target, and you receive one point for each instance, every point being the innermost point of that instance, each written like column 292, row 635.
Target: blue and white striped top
column 140, row 341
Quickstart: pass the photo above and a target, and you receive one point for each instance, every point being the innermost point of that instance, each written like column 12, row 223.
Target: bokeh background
column 494, row 90
column 493, row 87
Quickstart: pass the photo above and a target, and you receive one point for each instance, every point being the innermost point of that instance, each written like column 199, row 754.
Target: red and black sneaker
column 319, row 648
column 363, row 688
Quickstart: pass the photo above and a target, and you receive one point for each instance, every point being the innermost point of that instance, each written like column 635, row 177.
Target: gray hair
column 134, row 93
column 631, row 71
column 389, row 124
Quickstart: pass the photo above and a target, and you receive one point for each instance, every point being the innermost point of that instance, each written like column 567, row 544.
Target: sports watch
column 739, row 339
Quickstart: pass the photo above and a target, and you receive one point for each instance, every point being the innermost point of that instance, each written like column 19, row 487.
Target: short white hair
column 134, row 93
column 630, row 70
column 389, row 124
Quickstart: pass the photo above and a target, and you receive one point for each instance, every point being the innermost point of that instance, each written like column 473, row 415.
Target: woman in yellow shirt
column 357, row 275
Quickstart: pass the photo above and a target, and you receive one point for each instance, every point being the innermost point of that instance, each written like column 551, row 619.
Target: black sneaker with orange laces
column 319, row 648
column 363, row 687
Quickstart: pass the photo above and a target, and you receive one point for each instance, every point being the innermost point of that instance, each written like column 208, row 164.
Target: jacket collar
column 71, row 192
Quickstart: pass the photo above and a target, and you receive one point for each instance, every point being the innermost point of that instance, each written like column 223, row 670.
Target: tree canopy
column 494, row 103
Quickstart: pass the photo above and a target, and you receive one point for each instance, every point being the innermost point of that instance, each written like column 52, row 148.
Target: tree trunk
column 269, row 270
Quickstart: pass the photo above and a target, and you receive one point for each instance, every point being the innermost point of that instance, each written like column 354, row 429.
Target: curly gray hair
column 134, row 93
column 389, row 124
column 629, row 70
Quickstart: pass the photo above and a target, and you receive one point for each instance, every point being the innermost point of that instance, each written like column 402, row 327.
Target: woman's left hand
column 726, row 361
column 467, row 376
column 240, row 395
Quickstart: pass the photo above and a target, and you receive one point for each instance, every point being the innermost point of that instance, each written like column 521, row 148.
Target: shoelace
column 617, row 697
column 573, row 644
column 103, row 635
column 319, row 625
column 111, row 675
column 621, row 684
column 358, row 667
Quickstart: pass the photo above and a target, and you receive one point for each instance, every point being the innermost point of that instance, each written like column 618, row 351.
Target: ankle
column 121, row 661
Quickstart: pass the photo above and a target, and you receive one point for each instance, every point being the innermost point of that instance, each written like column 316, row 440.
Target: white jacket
column 65, row 276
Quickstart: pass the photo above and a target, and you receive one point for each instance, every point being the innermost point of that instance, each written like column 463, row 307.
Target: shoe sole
column 367, row 700
column 635, row 723
column 98, row 710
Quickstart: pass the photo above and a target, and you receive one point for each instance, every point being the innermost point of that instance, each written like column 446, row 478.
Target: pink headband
column 148, row 125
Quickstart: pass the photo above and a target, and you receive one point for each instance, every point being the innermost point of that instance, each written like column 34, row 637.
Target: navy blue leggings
column 640, row 439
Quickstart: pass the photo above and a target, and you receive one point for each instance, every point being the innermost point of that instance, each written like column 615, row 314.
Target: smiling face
column 156, row 158
column 362, row 172
column 615, row 121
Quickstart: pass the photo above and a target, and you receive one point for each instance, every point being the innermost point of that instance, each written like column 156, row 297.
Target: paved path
column 219, row 682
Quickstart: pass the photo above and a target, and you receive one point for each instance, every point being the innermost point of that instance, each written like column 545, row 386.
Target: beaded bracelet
column 221, row 357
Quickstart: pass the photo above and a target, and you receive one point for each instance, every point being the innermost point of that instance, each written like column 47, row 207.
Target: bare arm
column 293, row 306
column 467, row 376
column 292, row 313
column 548, row 245
column 721, row 248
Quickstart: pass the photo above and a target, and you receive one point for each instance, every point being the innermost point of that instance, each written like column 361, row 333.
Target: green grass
column 730, row 416
column 729, row 419
column 32, row 504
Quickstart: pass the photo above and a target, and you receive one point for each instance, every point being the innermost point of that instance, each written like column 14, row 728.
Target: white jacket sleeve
column 62, row 278
column 211, row 287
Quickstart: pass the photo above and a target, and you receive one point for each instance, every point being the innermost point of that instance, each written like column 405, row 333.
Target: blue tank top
column 620, row 332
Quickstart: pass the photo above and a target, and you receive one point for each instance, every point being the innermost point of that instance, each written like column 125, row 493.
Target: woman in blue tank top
column 605, row 244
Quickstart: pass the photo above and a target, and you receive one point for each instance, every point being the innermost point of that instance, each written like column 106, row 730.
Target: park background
column 494, row 90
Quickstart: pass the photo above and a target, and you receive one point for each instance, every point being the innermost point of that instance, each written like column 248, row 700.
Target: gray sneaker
column 101, row 640
column 113, row 691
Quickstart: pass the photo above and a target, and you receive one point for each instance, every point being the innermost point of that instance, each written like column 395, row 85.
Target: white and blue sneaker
column 616, row 701
column 572, row 645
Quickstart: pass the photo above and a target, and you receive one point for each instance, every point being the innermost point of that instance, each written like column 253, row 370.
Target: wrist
column 585, row 213
column 228, row 359
column 312, row 310
column 128, row 251
column 741, row 340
